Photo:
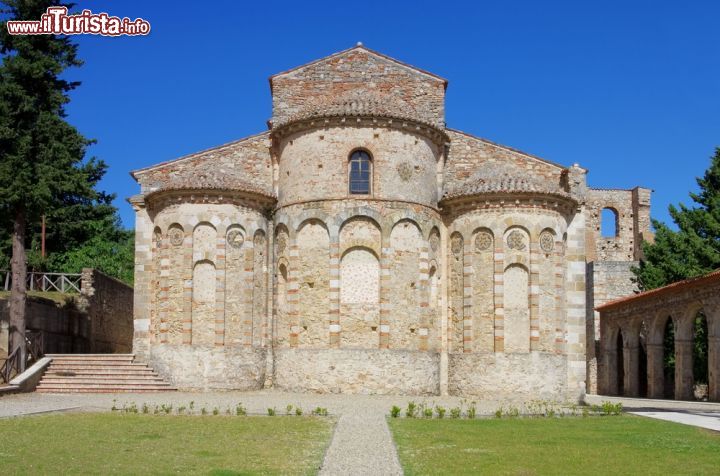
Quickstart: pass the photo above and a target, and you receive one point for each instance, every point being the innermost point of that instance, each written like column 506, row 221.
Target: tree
column 42, row 162
column 692, row 250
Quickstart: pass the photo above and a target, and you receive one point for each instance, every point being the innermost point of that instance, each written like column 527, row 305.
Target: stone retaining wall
column 209, row 368
column 377, row 371
column 508, row 376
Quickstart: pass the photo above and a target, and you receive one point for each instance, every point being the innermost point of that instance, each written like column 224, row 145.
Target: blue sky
column 630, row 90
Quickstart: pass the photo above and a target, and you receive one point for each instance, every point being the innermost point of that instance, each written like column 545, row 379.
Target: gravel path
column 361, row 445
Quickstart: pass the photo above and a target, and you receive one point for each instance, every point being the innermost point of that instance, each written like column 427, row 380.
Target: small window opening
column 360, row 173
column 609, row 227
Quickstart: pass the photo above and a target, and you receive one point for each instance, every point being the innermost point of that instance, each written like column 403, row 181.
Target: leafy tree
column 112, row 257
column 41, row 154
column 694, row 249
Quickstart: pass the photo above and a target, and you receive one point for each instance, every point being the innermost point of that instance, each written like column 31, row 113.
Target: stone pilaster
column 143, row 278
column 292, row 295
column 498, row 294
column 655, row 371
column 334, row 291
column 467, row 333
column 385, row 305
column 187, row 294
column 534, row 295
column 424, row 290
column 575, row 300
column 220, row 288
column 683, row 369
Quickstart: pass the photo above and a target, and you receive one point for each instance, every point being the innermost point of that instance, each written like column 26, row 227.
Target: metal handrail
column 60, row 282
column 12, row 363
column 34, row 342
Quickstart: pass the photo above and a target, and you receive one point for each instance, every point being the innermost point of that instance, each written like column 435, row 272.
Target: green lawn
column 528, row 446
column 104, row 443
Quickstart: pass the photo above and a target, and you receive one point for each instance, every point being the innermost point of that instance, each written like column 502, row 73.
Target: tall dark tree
column 41, row 155
column 692, row 250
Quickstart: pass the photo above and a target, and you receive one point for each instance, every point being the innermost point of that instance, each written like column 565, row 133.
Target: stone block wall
column 313, row 164
column 98, row 320
column 509, row 376
column 463, row 270
column 364, row 371
column 107, row 303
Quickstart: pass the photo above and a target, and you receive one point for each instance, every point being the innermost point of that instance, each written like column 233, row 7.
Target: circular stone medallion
column 405, row 171
column 456, row 245
column 516, row 240
column 483, row 241
column 547, row 241
column 175, row 235
column 235, row 239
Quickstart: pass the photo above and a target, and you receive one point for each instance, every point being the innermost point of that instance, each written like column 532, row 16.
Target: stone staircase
column 99, row 373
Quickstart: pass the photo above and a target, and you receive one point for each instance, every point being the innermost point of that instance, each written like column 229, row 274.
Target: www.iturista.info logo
column 57, row 22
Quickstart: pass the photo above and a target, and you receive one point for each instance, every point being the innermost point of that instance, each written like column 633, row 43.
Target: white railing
column 60, row 282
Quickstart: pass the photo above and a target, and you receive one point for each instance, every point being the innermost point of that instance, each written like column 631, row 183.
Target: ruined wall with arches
column 663, row 343
column 618, row 221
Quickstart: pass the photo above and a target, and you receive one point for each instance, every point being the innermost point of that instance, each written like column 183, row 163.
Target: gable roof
column 195, row 155
column 361, row 47
column 653, row 294
column 242, row 165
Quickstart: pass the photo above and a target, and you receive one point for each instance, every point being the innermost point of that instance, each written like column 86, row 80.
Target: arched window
column 609, row 225
column 360, row 172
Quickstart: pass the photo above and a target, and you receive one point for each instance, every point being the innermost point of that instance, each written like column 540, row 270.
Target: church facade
column 359, row 245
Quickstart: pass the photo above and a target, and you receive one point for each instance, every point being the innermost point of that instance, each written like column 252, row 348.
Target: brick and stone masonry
column 464, row 268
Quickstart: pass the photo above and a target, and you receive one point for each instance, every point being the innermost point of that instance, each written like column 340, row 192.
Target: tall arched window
column 360, row 172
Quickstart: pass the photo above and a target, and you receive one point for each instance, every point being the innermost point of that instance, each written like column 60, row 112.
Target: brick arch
column 312, row 220
column 407, row 215
column 345, row 243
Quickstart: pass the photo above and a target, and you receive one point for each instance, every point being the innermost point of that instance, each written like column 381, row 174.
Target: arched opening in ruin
column 700, row 356
column 282, row 278
column 669, row 359
column 620, row 363
column 609, row 223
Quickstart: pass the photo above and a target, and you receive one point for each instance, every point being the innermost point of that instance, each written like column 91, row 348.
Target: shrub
column 440, row 412
column 216, row 411
column 472, row 411
column 298, row 411
column 240, row 410
column 395, row 411
column 288, row 409
column 319, row 411
column 610, row 408
column 271, row 411
column 428, row 412
column 455, row 412
column 411, row 410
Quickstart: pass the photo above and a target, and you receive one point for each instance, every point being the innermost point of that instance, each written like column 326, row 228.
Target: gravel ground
column 256, row 402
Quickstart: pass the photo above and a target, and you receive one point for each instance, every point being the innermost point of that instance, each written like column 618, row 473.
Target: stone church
column 359, row 245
